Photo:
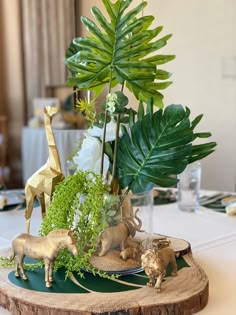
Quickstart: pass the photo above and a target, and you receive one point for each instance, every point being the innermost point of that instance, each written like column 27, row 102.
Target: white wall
column 204, row 74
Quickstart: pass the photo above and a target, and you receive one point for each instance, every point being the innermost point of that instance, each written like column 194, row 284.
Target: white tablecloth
column 35, row 149
column 212, row 237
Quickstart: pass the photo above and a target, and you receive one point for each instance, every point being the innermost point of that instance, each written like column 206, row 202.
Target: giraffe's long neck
column 54, row 159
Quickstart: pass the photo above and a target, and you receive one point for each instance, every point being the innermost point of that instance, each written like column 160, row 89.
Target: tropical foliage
column 121, row 51
column 117, row 52
column 158, row 146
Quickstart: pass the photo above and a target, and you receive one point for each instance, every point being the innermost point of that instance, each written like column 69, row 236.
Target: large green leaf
column 118, row 52
column 158, row 147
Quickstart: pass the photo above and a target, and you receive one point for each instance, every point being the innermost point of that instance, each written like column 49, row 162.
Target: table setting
column 212, row 235
column 11, row 199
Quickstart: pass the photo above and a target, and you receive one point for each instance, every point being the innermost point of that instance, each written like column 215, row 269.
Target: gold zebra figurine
column 42, row 247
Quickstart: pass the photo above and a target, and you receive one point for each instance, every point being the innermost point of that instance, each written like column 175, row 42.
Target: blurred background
column 34, row 35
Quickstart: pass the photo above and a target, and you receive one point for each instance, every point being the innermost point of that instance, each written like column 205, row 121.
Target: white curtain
column 48, row 28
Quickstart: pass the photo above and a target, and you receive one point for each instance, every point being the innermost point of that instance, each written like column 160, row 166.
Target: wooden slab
column 185, row 294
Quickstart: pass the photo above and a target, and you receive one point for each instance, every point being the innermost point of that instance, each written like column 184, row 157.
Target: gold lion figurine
column 155, row 261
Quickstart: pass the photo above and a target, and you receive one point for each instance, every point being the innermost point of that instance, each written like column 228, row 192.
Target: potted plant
column 133, row 149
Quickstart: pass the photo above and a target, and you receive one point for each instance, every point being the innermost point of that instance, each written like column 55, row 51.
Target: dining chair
column 3, row 149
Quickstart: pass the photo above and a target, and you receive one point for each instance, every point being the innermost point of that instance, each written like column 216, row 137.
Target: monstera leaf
column 159, row 145
column 118, row 52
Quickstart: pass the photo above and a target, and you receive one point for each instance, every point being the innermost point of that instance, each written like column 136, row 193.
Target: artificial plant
column 122, row 51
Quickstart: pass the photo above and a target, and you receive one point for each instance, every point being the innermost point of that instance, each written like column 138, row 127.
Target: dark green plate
column 87, row 284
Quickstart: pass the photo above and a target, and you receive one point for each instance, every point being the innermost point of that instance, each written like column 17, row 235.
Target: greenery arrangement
column 155, row 145
column 131, row 150
column 80, row 194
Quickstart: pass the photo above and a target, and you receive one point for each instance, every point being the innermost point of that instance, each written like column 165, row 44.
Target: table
column 212, row 236
column 35, row 149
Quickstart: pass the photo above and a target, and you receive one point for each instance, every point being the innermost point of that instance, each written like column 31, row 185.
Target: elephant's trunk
column 139, row 225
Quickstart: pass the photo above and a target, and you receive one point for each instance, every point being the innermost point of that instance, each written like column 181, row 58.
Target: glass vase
column 128, row 232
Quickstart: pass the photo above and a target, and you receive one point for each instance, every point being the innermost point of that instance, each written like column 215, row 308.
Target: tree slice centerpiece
column 185, row 294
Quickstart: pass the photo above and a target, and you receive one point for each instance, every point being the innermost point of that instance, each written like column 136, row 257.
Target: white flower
column 89, row 156
column 110, row 131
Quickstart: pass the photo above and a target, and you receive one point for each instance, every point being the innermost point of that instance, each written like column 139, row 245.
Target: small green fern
column 78, row 204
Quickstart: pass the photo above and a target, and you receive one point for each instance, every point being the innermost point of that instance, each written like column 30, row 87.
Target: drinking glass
column 189, row 187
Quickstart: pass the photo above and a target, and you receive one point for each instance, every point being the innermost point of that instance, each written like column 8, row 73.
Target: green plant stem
column 114, row 170
column 103, row 141
column 114, row 184
column 105, row 129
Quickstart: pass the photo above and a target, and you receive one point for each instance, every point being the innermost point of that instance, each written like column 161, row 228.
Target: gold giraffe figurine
column 42, row 183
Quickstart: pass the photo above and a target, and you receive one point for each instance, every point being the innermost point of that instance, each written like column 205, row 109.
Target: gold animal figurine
column 160, row 242
column 155, row 261
column 42, row 247
column 117, row 235
column 129, row 253
column 42, row 183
